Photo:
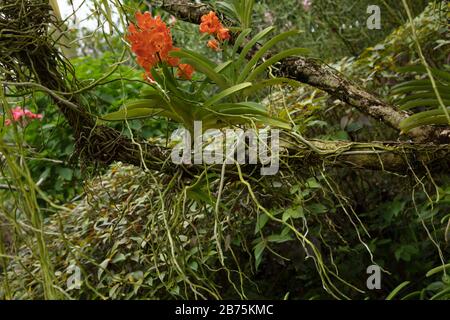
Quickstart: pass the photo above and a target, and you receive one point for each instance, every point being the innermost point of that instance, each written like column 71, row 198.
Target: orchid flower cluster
column 211, row 24
column 151, row 41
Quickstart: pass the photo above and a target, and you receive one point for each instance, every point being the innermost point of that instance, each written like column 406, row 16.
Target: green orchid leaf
column 227, row 92
column 136, row 113
column 279, row 56
column 251, row 43
column 143, row 104
column 202, row 65
column 268, row 83
column 239, row 40
column 261, row 52
column 436, row 116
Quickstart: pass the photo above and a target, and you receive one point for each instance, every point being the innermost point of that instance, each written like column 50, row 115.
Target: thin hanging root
column 321, row 268
column 435, row 243
column 173, row 250
column 344, row 208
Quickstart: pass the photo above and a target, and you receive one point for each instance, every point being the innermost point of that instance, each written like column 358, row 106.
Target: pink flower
column 17, row 113
column 20, row 114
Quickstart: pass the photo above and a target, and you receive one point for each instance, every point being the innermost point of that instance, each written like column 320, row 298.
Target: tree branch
column 184, row 10
column 322, row 76
column 398, row 157
column 104, row 144
column 188, row 11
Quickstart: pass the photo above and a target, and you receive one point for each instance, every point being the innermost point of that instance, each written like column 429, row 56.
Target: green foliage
column 420, row 93
column 240, row 10
column 436, row 290
column 48, row 145
column 126, row 254
column 334, row 29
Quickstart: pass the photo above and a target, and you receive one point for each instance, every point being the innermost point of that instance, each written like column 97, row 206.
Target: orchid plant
column 233, row 82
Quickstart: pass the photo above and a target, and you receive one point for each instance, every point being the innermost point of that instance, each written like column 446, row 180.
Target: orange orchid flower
column 223, row 34
column 210, row 23
column 185, row 71
column 151, row 41
column 213, row 44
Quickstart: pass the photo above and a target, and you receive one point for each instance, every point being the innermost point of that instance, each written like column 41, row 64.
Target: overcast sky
column 82, row 11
